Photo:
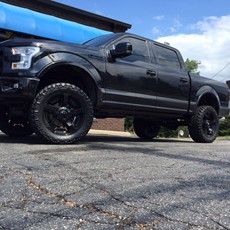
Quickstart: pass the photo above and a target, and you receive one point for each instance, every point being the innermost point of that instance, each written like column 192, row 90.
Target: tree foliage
column 224, row 129
column 167, row 133
column 192, row 66
column 129, row 124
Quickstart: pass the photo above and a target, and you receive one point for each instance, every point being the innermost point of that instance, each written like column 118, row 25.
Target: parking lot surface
column 114, row 182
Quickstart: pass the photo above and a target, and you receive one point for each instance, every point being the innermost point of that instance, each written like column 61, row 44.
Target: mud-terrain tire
column 204, row 125
column 61, row 113
column 14, row 126
column 145, row 129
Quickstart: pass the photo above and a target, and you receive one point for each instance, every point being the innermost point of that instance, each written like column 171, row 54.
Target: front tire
column 145, row 129
column 61, row 113
column 204, row 125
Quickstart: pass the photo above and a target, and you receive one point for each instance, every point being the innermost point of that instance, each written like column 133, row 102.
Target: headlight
column 26, row 53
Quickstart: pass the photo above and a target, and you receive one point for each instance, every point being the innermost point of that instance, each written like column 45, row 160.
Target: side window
column 166, row 57
column 140, row 50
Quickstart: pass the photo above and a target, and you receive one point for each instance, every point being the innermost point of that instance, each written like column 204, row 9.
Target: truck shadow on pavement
column 33, row 139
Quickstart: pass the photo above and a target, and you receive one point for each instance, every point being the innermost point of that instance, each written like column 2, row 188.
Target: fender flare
column 205, row 91
column 43, row 65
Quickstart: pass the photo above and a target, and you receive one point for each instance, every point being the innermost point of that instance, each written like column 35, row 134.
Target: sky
column 200, row 29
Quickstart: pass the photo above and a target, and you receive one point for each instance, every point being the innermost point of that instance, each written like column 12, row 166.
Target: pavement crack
column 131, row 219
column 91, row 207
column 68, row 203
column 217, row 222
column 62, row 199
column 123, row 221
column 128, row 221
column 24, row 199
column 178, row 221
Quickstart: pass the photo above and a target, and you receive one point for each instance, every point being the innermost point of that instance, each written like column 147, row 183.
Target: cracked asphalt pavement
column 114, row 182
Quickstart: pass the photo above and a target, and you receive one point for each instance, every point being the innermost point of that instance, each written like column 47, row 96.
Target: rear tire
column 61, row 113
column 145, row 129
column 204, row 125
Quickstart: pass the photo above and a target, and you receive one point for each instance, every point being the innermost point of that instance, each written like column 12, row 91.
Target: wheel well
column 209, row 99
column 72, row 75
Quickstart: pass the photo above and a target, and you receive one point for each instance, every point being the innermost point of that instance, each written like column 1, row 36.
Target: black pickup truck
column 55, row 89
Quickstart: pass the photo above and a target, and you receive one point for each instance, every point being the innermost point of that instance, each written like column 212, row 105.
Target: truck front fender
column 43, row 65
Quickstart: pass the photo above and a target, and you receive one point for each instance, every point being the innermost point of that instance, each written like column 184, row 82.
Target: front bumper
column 14, row 89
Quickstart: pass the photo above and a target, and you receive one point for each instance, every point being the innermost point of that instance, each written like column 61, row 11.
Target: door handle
column 184, row 80
column 151, row 72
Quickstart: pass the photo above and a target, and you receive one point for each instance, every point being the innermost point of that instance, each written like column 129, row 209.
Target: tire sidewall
column 196, row 125
column 40, row 102
column 142, row 128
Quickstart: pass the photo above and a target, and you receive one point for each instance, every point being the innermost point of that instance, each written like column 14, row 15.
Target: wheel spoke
column 54, row 117
column 64, row 100
column 61, row 118
column 51, row 124
column 209, row 125
column 76, row 112
column 73, row 114
column 213, row 123
column 51, row 109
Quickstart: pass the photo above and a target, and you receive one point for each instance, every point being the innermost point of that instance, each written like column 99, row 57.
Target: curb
column 110, row 133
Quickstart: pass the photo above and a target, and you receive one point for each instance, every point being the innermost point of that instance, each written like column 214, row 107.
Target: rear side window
column 166, row 57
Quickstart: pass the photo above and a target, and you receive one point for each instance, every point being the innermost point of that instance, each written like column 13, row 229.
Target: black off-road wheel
column 204, row 125
column 61, row 113
column 145, row 129
column 14, row 126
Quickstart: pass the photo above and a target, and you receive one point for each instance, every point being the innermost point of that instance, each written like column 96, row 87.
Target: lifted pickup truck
column 55, row 89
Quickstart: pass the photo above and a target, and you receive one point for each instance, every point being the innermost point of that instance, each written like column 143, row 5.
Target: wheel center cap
column 63, row 111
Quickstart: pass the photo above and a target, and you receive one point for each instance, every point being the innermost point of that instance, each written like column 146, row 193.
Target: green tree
column 192, row 66
column 129, row 124
column 167, row 133
column 167, row 43
column 224, row 129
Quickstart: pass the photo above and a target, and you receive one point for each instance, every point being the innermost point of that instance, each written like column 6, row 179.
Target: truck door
column 173, row 83
column 132, row 80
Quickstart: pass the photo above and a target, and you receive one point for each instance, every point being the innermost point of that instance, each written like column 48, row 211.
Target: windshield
column 100, row 41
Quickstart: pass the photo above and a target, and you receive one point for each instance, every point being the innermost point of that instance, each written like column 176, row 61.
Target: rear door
column 173, row 82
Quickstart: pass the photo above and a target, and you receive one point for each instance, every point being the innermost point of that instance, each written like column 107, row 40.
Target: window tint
column 140, row 50
column 166, row 57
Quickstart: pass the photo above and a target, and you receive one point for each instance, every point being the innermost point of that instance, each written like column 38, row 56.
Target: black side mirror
column 122, row 49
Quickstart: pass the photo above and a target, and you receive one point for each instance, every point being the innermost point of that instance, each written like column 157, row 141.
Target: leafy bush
column 129, row 124
column 225, row 127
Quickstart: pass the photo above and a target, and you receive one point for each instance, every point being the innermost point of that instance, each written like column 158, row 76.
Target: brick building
column 113, row 124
